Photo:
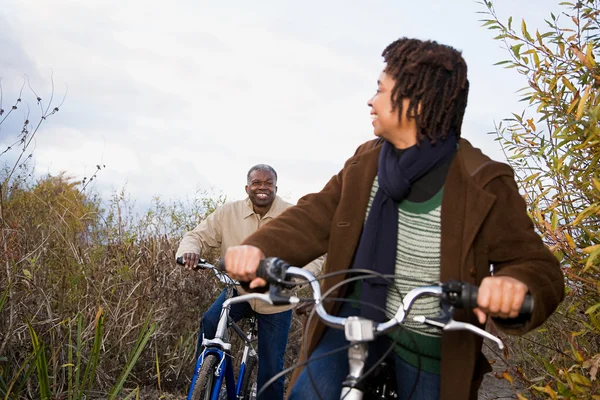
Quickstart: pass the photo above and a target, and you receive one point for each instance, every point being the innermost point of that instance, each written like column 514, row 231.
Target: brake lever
column 453, row 325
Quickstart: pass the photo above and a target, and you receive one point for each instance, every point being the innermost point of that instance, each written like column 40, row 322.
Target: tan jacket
column 483, row 221
column 228, row 226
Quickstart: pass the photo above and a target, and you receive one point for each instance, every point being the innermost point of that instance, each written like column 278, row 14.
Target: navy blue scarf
column 379, row 239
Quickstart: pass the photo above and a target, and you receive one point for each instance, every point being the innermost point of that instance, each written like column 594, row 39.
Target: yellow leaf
column 585, row 213
column 573, row 104
column 521, row 397
column 531, row 124
column 591, row 259
column 596, row 183
column 507, row 376
column 591, row 249
column 589, row 55
column 549, row 391
column 582, row 380
column 524, row 31
column 582, row 101
column 576, row 353
column 570, row 240
column 99, row 314
column 575, row 334
column 568, row 84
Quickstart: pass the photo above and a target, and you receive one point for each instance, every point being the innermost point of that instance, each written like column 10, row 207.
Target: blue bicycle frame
column 219, row 347
column 224, row 365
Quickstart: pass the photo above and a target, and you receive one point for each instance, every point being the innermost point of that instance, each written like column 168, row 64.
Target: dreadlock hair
column 434, row 79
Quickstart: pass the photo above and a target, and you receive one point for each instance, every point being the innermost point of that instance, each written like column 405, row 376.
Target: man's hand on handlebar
column 190, row 260
column 242, row 262
column 500, row 296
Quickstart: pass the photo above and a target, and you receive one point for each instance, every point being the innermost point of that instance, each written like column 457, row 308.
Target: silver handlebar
column 356, row 328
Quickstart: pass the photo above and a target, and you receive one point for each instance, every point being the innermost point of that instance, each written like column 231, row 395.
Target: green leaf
column 592, row 309
column 89, row 375
column 40, row 363
column 145, row 334
column 550, row 368
column 516, row 49
column 524, row 31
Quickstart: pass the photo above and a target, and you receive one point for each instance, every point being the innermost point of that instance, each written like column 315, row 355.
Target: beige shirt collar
column 276, row 208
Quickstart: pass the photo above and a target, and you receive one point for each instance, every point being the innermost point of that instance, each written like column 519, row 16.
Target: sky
column 180, row 96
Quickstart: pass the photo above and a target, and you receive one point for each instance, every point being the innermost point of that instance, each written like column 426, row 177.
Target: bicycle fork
column 357, row 356
column 359, row 332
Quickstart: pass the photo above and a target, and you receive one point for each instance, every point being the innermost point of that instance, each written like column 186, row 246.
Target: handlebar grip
column 261, row 272
column 220, row 265
column 469, row 299
column 200, row 265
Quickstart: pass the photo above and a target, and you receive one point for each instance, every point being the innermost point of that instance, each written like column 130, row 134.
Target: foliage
column 80, row 277
column 554, row 148
column 72, row 258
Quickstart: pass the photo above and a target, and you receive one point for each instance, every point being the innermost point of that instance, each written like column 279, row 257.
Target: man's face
column 261, row 188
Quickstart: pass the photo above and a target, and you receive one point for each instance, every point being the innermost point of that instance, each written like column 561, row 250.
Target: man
column 227, row 226
column 423, row 204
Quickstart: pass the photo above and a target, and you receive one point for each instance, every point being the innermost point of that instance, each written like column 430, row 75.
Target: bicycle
column 360, row 331
column 215, row 364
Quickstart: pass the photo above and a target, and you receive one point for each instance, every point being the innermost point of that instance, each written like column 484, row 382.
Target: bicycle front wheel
column 205, row 382
column 249, row 381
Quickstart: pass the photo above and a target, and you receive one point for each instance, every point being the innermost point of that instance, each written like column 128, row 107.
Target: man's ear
column 275, row 189
column 246, row 189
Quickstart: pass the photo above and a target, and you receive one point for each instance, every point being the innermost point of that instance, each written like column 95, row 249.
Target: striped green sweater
column 417, row 264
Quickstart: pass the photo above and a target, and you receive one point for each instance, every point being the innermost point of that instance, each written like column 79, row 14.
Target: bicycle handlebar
column 219, row 270
column 455, row 294
column 202, row 264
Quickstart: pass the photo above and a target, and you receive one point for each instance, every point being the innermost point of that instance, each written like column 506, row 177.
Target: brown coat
column 483, row 222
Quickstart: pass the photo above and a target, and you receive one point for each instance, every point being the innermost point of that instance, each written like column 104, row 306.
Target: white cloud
column 171, row 96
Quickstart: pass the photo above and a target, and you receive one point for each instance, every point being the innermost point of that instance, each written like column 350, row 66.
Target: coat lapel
column 465, row 206
column 360, row 172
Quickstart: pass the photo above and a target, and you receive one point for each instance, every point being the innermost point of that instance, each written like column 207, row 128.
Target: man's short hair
column 261, row 167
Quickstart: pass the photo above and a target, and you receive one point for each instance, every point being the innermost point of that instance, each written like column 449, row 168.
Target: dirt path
column 492, row 387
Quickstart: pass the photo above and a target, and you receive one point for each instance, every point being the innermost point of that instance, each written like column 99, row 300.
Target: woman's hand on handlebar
column 500, row 296
column 241, row 263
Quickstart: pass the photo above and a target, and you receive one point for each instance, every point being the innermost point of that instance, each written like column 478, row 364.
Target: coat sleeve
column 516, row 250
column 206, row 235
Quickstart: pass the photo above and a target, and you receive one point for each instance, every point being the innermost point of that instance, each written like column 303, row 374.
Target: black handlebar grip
column 262, row 270
column 220, row 265
column 201, row 261
column 469, row 299
column 260, row 273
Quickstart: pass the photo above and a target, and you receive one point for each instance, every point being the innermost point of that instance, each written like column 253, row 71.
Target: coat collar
column 465, row 204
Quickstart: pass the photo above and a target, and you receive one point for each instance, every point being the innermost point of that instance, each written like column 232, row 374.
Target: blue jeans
column 273, row 330
column 329, row 372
